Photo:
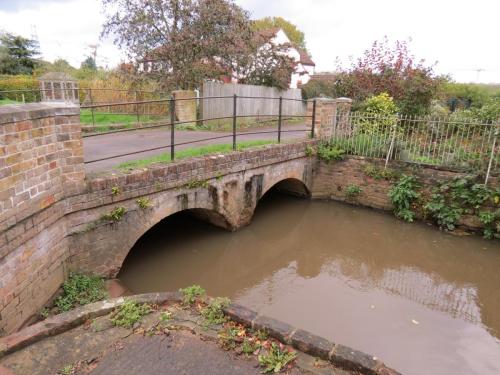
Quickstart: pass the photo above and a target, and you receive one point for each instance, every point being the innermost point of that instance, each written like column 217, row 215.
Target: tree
column 17, row 54
column 394, row 70
column 296, row 36
column 88, row 64
column 189, row 40
column 268, row 65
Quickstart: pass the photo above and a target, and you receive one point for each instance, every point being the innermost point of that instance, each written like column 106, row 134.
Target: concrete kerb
column 338, row 355
column 301, row 340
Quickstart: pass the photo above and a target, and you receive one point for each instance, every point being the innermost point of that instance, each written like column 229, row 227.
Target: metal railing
column 421, row 140
column 170, row 120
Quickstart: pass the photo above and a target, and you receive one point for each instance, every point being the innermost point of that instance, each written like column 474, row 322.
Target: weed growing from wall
column 352, row 191
column 403, row 195
column 80, row 290
column 115, row 215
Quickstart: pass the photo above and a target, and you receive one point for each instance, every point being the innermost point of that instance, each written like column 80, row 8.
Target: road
column 109, row 145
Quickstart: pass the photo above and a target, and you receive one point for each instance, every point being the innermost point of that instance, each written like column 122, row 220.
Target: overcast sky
column 463, row 36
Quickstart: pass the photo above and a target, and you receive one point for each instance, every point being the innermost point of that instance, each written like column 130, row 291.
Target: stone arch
column 290, row 185
column 103, row 249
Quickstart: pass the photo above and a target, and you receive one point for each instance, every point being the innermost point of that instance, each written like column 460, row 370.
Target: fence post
column 392, row 142
column 313, row 118
column 490, row 163
column 280, row 108
column 137, row 109
column 172, row 127
column 92, row 108
column 234, row 121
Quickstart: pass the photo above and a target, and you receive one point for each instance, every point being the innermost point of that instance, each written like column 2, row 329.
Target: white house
column 305, row 65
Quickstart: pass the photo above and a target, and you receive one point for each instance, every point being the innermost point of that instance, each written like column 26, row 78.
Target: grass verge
column 192, row 152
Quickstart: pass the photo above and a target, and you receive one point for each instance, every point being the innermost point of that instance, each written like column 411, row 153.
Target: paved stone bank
column 306, row 342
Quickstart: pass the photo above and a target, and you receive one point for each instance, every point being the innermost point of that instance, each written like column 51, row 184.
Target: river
column 423, row 301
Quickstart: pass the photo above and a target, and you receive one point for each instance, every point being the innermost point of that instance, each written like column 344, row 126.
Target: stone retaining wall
column 330, row 181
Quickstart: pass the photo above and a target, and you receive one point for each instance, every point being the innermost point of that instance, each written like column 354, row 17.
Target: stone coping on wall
column 304, row 341
column 11, row 113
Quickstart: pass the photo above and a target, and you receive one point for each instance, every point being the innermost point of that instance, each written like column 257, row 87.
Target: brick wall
column 331, row 179
column 41, row 162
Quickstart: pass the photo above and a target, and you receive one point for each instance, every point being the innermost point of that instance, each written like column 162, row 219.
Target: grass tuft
column 192, row 152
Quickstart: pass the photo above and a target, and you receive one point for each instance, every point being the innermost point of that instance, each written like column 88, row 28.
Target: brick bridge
column 51, row 212
column 53, row 215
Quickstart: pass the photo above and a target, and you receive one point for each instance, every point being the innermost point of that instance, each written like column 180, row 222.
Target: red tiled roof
column 305, row 59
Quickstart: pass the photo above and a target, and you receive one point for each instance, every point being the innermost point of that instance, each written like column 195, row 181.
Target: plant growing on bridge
column 115, row 190
column 276, row 358
column 328, row 151
column 192, row 293
column 403, row 195
column 115, row 215
column 213, row 312
column 129, row 313
column 194, row 184
column 352, row 191
column 143, row 203
column 80, row 290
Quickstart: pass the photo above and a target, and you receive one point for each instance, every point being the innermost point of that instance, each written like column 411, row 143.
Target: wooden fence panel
column 267, row 106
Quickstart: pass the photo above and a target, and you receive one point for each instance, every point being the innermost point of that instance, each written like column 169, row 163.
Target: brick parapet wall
column 41, row 162
column 159, row 177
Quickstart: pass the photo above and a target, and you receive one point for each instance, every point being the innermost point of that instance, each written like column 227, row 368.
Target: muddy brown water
column 423, row 301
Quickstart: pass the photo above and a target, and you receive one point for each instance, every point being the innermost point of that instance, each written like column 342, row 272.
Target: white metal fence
column 422, row 140
column 258, row 101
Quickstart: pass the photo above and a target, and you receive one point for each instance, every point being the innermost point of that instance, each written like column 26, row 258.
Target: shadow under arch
column 291, row 185
column 277, row 197
column 205, row 215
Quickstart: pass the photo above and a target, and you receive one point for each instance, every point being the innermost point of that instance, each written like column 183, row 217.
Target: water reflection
column 422, row 300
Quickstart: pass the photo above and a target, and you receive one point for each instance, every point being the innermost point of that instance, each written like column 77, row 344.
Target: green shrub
column 80, row 290
column 328, row 151
column 191, row 293
column 19, row 82
column 402, row 195
column 130, row 312
column 451, row 199
column 352, row 191
column 491, row 222
column 275, row 359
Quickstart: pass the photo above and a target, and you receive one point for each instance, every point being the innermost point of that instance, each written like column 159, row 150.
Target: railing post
column 137, row 109
column 392, row 142
column 313, row 118
column 490, row 163
column 92, row 108
column 280, row 108
column 234, row 121
column 172, row 127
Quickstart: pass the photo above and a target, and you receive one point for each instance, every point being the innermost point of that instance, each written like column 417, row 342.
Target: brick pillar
column 328, row 111
column 41, row 163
